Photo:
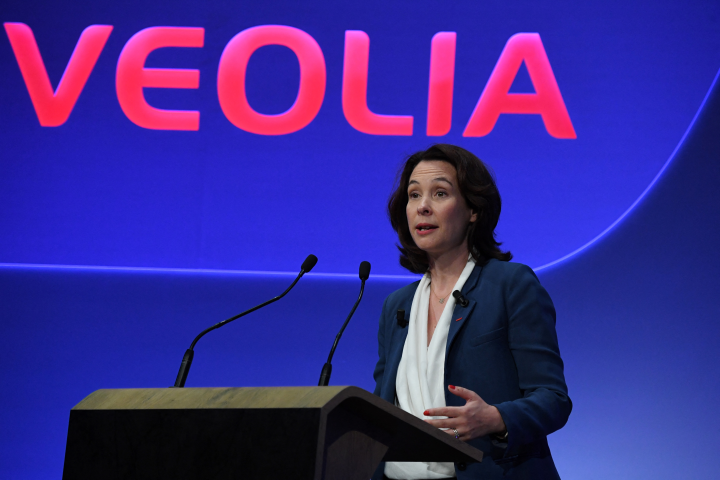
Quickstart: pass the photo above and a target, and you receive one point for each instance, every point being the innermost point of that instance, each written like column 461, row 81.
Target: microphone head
column 309, row 263
column 460, row 299
column 364, row 271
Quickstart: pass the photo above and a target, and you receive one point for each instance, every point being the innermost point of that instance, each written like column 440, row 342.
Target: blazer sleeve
column 545, row 405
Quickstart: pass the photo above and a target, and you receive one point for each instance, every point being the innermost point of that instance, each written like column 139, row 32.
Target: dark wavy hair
column 477, row 187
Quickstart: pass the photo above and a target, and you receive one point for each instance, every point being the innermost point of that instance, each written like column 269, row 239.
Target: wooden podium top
column 412, row 438
column 211, row 398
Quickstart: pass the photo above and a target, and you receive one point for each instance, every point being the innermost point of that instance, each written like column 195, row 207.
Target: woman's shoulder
column 401, row 295
column 508, row 272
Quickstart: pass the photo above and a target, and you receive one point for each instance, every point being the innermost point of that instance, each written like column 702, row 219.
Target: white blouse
column 420, row 382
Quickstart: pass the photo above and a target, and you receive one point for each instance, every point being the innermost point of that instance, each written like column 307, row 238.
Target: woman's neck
column 445, row 269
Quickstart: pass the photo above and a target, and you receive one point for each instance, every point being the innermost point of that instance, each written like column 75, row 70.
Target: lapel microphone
column 401, row 319
column 460, row 299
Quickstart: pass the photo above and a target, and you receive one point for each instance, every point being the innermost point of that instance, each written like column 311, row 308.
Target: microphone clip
column 401, row 319
column 460, row 299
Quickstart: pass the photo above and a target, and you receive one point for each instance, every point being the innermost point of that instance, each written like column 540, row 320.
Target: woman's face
column 437, row 214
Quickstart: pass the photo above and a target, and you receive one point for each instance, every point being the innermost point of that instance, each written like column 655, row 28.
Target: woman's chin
column 431, row 248
column 425, row 243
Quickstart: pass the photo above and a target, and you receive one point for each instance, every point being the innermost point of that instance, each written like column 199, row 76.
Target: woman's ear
column 473, row 216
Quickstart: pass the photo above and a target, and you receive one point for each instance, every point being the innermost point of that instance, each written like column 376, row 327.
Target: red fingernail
column 426, row 413
column 451, row 387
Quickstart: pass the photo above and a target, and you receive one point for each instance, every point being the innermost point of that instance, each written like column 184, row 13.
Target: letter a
column 546, row 101
column 53, row 108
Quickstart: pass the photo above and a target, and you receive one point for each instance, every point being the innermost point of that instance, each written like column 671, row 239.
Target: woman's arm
column 545, row 405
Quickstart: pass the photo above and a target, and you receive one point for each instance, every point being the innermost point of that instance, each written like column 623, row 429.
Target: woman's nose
column 424, row 207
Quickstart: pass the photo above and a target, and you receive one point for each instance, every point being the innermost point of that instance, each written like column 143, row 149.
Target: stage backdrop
column 165, row 165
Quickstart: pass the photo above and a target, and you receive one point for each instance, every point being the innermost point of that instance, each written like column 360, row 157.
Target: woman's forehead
column 433, row 170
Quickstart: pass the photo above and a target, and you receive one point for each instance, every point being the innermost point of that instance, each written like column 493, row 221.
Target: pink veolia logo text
column 53, row 108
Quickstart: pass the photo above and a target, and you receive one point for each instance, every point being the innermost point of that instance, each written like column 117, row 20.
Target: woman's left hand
column 475, row 419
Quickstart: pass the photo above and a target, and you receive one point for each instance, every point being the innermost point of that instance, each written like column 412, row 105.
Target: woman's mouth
column 424, row 228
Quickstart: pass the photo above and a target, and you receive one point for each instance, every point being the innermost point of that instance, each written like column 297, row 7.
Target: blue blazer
column 503, row 346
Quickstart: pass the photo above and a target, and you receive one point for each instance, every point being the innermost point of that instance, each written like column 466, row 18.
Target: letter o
column 231, row 80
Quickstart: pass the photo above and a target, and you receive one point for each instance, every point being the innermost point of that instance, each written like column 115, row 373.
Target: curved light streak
column 644, row 193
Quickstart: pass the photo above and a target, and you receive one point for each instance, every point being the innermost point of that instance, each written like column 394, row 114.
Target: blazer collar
column 472, row 280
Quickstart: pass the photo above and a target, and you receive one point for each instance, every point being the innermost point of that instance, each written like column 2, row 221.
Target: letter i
column 442, row 78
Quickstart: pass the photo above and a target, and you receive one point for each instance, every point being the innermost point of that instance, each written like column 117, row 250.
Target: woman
column 487, row 370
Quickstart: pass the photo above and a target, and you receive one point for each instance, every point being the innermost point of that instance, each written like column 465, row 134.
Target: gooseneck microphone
column 327, row 368
column 307, row 265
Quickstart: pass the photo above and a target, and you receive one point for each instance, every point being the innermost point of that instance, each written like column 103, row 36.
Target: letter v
column 53, row 108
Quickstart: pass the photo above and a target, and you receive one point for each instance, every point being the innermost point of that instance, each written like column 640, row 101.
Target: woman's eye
column 441, row 194
column 414, row 195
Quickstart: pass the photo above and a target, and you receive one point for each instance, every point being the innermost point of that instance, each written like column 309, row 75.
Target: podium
column 319, row 433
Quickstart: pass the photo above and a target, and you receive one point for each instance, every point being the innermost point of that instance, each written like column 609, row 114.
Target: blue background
column 119, row 244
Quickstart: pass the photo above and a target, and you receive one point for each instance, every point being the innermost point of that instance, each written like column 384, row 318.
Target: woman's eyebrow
column 442, row 179
column 438, row 179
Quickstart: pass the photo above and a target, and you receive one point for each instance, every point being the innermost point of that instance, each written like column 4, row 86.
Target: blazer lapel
column 459, row 318
column 397, row 343
column 462, row 314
